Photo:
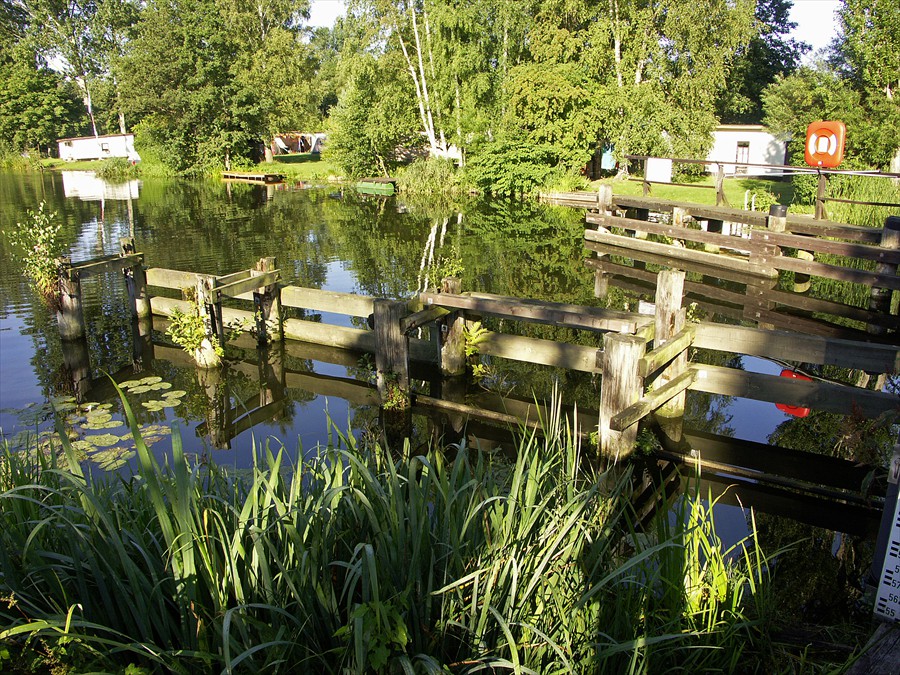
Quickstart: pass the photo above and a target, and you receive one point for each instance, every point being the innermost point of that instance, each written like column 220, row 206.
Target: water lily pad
column 128, row 384
column 155, row 430
column 83, row 446
column 65, row 407
column 57, row 400
column 140, row 389
column 161, row 385
column 175, row 393
column 98, row 417
column 151, row 380
column 112, row 424
column 103, row 440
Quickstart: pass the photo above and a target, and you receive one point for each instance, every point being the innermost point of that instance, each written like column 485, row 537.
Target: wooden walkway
column 259, row 178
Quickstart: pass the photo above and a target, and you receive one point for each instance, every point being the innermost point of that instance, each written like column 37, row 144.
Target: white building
column 750, row 143
column 98, row 147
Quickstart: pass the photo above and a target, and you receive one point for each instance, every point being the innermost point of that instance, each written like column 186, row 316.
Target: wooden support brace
column 419, row 319
column 662, row 355
column 652, row 401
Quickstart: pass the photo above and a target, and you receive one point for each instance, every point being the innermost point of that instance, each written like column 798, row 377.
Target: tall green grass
column 363, row 561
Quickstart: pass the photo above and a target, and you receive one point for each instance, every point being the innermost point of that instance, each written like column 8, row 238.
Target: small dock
column 259, row 178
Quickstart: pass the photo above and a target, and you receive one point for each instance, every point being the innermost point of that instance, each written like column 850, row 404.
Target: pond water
column 323, row 238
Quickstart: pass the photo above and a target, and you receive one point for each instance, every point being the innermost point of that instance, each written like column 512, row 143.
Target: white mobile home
column 750, row 143
column 98, row 147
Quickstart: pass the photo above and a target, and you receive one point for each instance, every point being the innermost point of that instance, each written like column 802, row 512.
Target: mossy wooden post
column 621, row 386
column 880, row 298
column 391, row 348
column 135, row 281
column 267, row 303
column 821, row 190
column 77, row 363
column 69, row 312
column 211, row 313
column 670, row 319
column 604, row 199
column 453, row 340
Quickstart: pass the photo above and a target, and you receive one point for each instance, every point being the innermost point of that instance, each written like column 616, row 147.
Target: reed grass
column 363, row 561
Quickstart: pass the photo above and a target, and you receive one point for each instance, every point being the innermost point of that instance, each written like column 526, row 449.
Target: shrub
column 38, row 241
column 507, row 166
column 430, row 176
column 117, row 170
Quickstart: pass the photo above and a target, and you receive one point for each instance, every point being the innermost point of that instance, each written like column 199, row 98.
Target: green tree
column 372, row 119
column 769, row 54
column 37, row 105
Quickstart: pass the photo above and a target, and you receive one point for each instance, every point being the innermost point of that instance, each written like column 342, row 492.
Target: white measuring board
column 887, row 601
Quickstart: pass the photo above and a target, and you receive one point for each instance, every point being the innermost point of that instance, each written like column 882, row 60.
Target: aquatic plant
column 358, row 561
column 39, row 245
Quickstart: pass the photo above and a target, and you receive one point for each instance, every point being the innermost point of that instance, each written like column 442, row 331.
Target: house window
column 742, row 155
column 104, row 147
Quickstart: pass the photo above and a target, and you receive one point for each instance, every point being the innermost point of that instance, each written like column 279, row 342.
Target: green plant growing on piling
column 188, row 331
column 39, row 244
column 396, row 398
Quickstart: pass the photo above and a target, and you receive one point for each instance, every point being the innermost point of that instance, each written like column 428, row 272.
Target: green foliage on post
column 39, row 248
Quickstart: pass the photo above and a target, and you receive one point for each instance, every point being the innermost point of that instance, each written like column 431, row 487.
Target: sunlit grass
column 362, row 560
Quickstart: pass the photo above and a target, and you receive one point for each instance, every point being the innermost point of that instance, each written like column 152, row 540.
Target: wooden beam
column 785, row 345
column 651, row 401
column 251, row 283
column 318, row 300
column 818, row 269
column 829, row 228
column 544, row 352
column 816, row 394
column 418, row 319
column 673, row 253
column 165, row 278
column 584, row 318
column 850, row 250
column 111, row 263
column 660, row 356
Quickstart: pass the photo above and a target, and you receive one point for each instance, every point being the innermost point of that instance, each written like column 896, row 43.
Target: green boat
column 376, row 186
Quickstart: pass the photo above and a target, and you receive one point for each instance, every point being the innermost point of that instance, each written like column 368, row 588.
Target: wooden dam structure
column 726, row 261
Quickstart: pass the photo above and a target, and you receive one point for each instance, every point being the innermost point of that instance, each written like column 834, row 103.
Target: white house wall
column 99, row 147
column 764, row 148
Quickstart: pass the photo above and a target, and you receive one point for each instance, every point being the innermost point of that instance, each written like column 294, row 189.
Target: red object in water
column 794, row 410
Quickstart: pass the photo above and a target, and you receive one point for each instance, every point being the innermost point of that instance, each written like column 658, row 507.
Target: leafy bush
column 39, row 247
column 430, row 176
column 508, row 166
column 118, row 170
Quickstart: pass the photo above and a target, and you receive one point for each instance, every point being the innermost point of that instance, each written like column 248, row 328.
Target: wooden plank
column 697, row 211
column 673, row 253
column 807, row 325
column 231, row 278
column 788, row 346
column 815, row 394
column 112, row 263
column 818, row 269
column 809, row 304
column 598, row 312
column 584, row 318
column 318, row 300
column 544, row 352
column 158, row 276
column 882, row 653
column 166, row 306
column 683, row 233
column 660, row 356
column 820, row 469
column 692, row 266
column 354, row 391
column 419, row 319
column 651, row 401
column 342, row 337
column 829, row 228
column 850, row 250
column 251, row 283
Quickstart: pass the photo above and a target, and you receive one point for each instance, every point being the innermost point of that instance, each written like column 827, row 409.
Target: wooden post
column 803, row 282
column 670, row 319
column 135, row 281
column 271, row 374
column 69, row 313
column 604, row 199
column 77, row 363
column 621, row 386
column 142, row 343
column 601, row 285
column 391, row 348
column 218, row 421
column 880, row 298
column 268, row 305
column 679, row 217
column 821, row 190
column 211, row 313
column 453, row 340
column 777, row 219
column 721, row 199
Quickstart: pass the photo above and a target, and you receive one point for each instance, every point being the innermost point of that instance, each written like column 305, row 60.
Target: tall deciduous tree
column 770, row 53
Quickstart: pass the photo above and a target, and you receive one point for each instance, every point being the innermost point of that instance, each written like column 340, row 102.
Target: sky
column 815, row 19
